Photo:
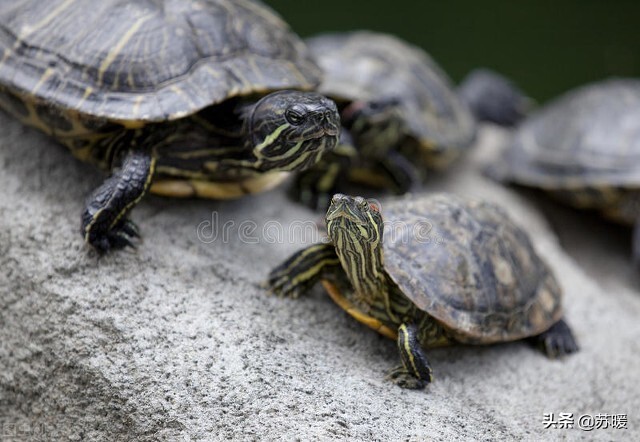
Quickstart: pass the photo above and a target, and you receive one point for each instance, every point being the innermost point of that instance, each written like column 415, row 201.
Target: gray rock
column 177, row 341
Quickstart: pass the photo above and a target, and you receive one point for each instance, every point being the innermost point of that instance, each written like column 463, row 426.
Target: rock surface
column 177, row 341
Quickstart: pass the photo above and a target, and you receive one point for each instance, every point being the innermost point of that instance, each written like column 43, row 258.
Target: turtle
column 583, row 148
column 203, row 98
column 494, row 98
column 400, row 113
column 435, row 270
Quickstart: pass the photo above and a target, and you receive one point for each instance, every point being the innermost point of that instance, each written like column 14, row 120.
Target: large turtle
column 182, row 98
column 400, row 113
column 584, row 148
column 446, row 270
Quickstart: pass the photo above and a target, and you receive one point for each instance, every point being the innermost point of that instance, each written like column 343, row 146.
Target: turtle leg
column 302, row 270
column 104, row 222
column 401, row 173
column 314, row 187
column 415, row 371
column 557, row 341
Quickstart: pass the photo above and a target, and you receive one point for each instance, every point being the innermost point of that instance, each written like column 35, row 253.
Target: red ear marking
column 374, row 206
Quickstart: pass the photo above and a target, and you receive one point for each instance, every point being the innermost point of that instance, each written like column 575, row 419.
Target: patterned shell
column 147, row 60
column 590, row 137
column 370, row 66
column 468, row 265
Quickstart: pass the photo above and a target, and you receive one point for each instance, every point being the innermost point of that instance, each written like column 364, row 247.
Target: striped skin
column 361, row 259
column 251, row 154
column 583, row 148
column 225, row 151
column 103, row 222
column 282, row 132
column 303, row 270
column 148, row 60
column 413, row 359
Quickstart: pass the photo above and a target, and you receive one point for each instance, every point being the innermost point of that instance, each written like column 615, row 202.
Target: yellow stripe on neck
column 271, row 137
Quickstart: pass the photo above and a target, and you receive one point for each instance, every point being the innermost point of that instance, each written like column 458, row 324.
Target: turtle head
column 355, row 227
column 291, row 130
column 494, row 98
column 376, row 125
column 359, row 216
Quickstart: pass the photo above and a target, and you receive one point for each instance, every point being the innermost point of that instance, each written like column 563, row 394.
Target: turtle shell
column 148, row 60
column 589, row 137
column 467, row 264
column 370, row 66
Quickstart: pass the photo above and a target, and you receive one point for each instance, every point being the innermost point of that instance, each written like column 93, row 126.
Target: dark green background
column 545, row 46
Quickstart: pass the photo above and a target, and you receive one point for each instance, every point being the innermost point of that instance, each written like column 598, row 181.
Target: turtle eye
column 375, row 106
column 294, row 116
column 362, row 203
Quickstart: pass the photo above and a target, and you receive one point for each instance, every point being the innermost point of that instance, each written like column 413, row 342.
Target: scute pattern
column 370, row 66
column 468, row 265
column 148, row 60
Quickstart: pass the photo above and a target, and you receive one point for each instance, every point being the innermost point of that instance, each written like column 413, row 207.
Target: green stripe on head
column 356, row 229
column 289, row 130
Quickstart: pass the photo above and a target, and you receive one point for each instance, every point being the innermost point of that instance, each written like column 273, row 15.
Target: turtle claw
column 123, row 235
column 104, row 222
column 557, row 342
column 130, row 228
column 280, row 282
column 120, row 240
column 402, row 378
column 280, row 285
column 291, row 291
column 301, row 271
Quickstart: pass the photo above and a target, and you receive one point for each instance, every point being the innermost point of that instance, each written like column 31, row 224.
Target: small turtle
column 183, row 98
column 583, row 148
column 399, row 110
column 447, row 270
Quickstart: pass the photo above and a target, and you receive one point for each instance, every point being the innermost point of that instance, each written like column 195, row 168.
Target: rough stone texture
column 177, row 341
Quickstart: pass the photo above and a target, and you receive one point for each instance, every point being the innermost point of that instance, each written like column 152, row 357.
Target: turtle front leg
column 314, row 187
column 415, row 372
column 104, row 222
column 401, row 173
column 303, row 270
column 556, row 342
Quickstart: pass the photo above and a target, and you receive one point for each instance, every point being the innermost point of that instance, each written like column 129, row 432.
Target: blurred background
column 545, row 46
